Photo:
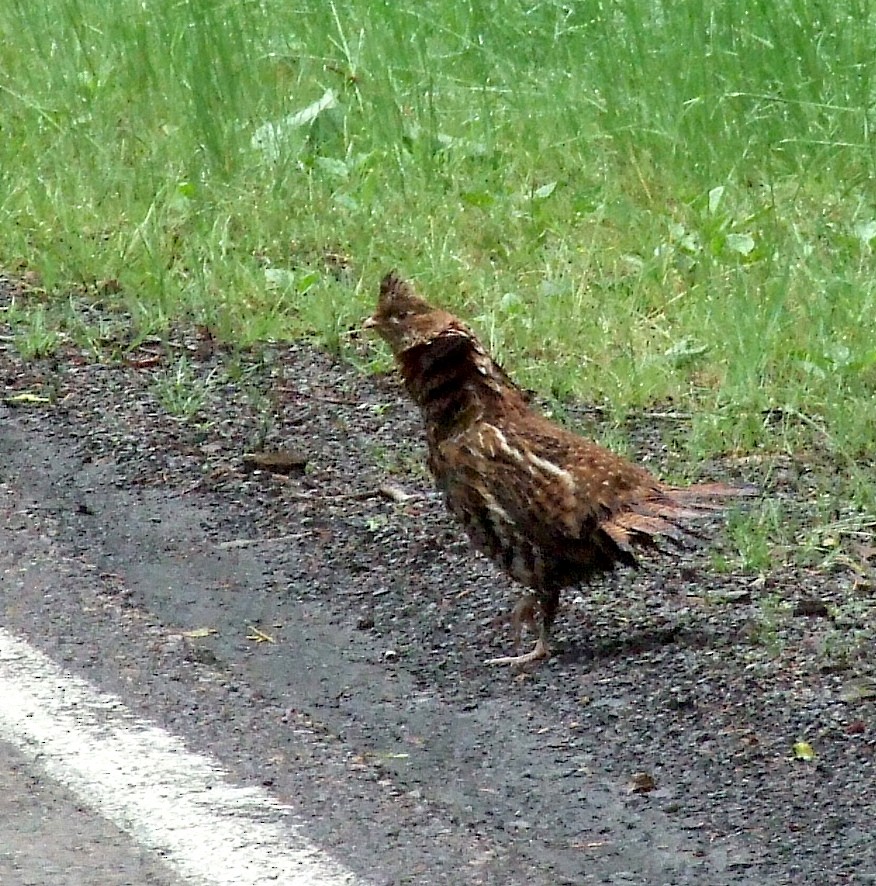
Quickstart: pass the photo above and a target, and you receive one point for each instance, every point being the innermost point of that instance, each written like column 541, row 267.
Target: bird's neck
column 446, row 385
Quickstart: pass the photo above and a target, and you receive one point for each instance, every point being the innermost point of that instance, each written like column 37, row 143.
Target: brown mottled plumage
column 550, row 507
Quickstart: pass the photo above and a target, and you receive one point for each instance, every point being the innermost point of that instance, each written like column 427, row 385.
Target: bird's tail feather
column 668, row 516
column 703, row 494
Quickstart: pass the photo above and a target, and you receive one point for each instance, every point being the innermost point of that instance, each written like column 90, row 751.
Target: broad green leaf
column 715, row 196
column 544, row 191
column 741, row 243
column 866, row 231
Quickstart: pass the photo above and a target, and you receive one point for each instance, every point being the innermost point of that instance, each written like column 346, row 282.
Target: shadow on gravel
column 637, row 642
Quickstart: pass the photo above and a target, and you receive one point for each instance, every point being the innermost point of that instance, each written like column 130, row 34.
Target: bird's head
column 403, row 319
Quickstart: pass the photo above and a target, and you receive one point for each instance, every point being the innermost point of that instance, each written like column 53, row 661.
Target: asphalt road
column 48, row 836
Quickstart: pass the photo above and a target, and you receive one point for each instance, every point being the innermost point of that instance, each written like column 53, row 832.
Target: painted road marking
column 174, row 802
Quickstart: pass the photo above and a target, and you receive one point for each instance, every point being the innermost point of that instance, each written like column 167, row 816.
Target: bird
column 549, row 507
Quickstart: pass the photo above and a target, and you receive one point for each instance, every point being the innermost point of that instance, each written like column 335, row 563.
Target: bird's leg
column 525, row 611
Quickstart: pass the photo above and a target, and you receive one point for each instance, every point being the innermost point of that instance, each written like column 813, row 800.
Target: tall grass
column 636, row 201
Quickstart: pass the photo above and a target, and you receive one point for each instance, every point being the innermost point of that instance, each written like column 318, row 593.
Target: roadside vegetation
column 645, row 206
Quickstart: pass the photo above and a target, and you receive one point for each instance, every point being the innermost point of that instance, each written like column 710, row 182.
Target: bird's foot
column 540, row 653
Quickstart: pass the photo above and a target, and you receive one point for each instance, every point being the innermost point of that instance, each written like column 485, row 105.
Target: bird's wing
column 540, row 481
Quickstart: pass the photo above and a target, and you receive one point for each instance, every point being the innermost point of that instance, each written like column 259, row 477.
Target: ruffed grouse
column 550, row 507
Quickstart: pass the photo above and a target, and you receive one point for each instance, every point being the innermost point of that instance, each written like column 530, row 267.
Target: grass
column 635, row 203
column 34, row 334
column 181, row 392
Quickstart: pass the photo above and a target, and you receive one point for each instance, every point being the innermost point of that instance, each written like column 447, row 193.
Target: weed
column 852, row 635
column 34, row 334
column 767, row 628
column 406, row 460
column 181, row 391
column 763, row 537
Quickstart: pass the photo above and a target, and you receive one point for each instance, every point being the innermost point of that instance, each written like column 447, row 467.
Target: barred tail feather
column 700, row 494
column 645, row 522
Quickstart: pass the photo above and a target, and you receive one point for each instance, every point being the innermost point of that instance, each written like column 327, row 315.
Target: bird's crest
column 422, row 336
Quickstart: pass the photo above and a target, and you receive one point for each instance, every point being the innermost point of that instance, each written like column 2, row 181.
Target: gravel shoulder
column 324, row 636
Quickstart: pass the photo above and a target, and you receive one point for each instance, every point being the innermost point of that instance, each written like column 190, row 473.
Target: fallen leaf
column 281, row 461
column 641, row 783
column 394, row 493
column 26, row 399
column 198, row 633
column 803, row 751
column 259, row 636
column 811, row 608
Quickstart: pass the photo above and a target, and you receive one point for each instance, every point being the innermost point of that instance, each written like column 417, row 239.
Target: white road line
column 170, row 800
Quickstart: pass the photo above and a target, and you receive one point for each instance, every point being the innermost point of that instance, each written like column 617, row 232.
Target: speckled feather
column 550, row 507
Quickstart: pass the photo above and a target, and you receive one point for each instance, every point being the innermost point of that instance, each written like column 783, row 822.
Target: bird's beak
column 370, row 323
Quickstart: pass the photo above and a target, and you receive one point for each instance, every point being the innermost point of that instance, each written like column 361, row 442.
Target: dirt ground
column 325, row 621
